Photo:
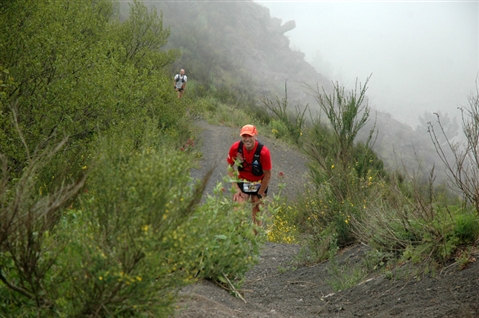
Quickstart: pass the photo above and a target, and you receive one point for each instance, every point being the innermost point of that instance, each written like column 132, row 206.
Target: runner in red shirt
column 254, row 169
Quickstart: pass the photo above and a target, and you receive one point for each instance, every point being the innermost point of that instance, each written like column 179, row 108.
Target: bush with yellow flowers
column 126, row 254
column 134, row 237
column 282, row 228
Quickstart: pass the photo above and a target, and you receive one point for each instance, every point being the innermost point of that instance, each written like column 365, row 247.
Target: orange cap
column 248, row 130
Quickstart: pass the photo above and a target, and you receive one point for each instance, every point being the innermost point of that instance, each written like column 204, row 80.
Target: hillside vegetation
column 240, row 54
column 99, row 215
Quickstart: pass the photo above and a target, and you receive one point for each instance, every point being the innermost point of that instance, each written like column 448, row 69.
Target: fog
column 423, row 56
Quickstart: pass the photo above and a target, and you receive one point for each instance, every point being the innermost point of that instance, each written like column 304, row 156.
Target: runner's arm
column 265, row 182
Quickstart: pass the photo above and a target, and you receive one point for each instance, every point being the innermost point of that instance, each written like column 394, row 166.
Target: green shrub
column 466, row 227
column 258, row 113
column 226, row 115
column 288, row 124
column 320, row 215
column 278, row 129
column 221, row 234
column 125, row 255
column 345, row 174
column 318, row 244
column 28, row 249
column 207, row 104
column 416, row 225
column 132, row 240
column 86, row 77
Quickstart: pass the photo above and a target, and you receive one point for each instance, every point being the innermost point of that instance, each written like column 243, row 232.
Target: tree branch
column 15, row 288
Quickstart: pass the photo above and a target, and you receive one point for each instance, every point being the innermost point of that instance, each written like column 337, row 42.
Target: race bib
column 251, row 186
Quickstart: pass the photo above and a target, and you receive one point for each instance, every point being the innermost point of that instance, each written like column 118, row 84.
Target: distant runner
column 254, row 169
column 180, row 83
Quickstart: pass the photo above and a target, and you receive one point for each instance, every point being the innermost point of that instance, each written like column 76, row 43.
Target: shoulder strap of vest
column 256, row 153
column 258, row 150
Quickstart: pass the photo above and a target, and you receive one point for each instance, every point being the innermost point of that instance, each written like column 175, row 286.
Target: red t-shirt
column 248, row 155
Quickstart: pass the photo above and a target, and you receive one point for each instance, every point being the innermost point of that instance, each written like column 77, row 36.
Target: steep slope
column 280, row 287
column 239, row 53
column 238, row 43
column 238, row 46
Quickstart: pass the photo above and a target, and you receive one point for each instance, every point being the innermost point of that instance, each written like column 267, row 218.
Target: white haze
column 423, row 56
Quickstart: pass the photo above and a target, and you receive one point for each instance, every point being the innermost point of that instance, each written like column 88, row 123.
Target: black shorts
column 180, row 89
column 240, row 185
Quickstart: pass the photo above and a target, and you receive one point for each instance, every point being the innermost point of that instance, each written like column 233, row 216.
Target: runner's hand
column 238, row 196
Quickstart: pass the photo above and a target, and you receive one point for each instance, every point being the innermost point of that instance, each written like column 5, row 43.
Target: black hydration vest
column 256, row 168
column 180, row 78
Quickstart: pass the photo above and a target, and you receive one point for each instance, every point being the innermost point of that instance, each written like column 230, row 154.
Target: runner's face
column 248, row 141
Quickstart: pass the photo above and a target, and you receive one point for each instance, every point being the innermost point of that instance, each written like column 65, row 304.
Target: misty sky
column 423, row 56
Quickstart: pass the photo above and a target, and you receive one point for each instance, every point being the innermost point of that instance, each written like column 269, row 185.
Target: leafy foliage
column 133, row 239
column 99, row 216
column 293, row 123
column 135, row 235
column 83, row 73
column 229, row 236
column 29, row 216
column 342, row 171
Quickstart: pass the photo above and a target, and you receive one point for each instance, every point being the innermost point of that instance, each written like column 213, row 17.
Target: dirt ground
column 279, row 286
